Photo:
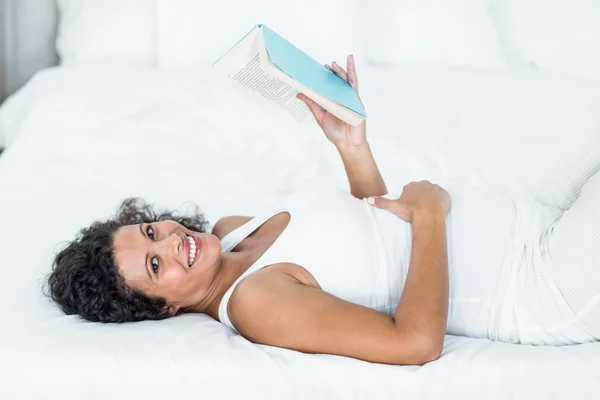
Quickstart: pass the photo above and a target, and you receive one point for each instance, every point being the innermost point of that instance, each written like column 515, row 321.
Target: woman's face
column 155, row 259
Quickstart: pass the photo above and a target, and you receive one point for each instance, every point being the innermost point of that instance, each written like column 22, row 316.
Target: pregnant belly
column 480, row 231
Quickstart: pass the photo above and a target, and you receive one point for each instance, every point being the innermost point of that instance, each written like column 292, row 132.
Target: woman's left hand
column 337, row 131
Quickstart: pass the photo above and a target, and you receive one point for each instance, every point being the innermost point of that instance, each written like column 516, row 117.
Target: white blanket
column 82, row 139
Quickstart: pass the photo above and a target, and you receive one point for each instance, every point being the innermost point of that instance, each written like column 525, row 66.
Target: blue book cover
column 307, row 71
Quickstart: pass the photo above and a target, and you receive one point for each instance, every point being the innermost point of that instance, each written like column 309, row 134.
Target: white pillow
column 194, row 33
column 560, row 36
column 453, row 33
column 115, row 31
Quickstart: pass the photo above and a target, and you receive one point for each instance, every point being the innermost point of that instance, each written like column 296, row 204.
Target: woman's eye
column 154, row 263
column 150, row 232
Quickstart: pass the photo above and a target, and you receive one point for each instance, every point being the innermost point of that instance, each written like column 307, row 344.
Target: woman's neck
column 233, row 265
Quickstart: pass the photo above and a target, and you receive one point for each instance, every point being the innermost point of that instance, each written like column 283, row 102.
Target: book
column 272, row 70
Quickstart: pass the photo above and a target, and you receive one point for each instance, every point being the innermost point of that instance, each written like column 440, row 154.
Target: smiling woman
column 165, row 259
column 354, row 274
column 86, row 278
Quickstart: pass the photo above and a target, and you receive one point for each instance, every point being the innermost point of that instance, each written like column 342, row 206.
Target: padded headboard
column 27, row 41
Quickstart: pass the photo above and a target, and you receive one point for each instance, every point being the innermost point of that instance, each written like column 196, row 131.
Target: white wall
column 27, row 44
column 3, row 49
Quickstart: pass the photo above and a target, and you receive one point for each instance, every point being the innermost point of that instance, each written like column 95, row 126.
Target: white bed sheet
column 81, row 139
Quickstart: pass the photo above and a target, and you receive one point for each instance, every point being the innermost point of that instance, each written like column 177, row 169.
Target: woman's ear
column 172, row 310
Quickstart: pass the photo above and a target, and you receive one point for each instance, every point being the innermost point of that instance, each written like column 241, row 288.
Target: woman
column 357, row 274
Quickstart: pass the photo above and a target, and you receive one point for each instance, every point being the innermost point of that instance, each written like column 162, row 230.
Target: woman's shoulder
column 228, row 223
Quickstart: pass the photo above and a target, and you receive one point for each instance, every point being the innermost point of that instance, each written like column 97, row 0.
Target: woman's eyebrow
column 146, row 260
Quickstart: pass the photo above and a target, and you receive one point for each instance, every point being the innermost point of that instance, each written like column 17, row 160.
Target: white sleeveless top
column 361, row 254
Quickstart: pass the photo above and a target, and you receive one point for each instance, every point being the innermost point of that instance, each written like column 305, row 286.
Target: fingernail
column 371, row 200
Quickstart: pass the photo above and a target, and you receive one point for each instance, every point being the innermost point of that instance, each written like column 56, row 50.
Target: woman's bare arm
column 278, row 310
column 351, row 141
column 424, row 301
column 361, row 168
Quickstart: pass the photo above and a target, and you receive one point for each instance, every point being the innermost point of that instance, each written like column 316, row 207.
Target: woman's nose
column 172, row 245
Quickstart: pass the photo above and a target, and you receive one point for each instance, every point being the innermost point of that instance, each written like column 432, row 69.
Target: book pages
column 275, row 91
column 245, row 68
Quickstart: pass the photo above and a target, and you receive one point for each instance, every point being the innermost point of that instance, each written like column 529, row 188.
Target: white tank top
column 361, row 254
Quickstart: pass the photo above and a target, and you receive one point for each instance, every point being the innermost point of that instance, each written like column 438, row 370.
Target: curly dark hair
column 84, row 278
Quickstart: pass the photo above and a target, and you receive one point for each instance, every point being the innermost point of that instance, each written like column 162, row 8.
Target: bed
column 81, row 136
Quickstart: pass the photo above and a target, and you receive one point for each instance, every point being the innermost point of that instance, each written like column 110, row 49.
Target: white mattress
column 81, row 139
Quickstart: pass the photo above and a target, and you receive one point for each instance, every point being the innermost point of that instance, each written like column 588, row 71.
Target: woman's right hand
column 418, row 199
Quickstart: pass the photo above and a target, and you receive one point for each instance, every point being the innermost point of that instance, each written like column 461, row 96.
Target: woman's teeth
column 192, row 255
